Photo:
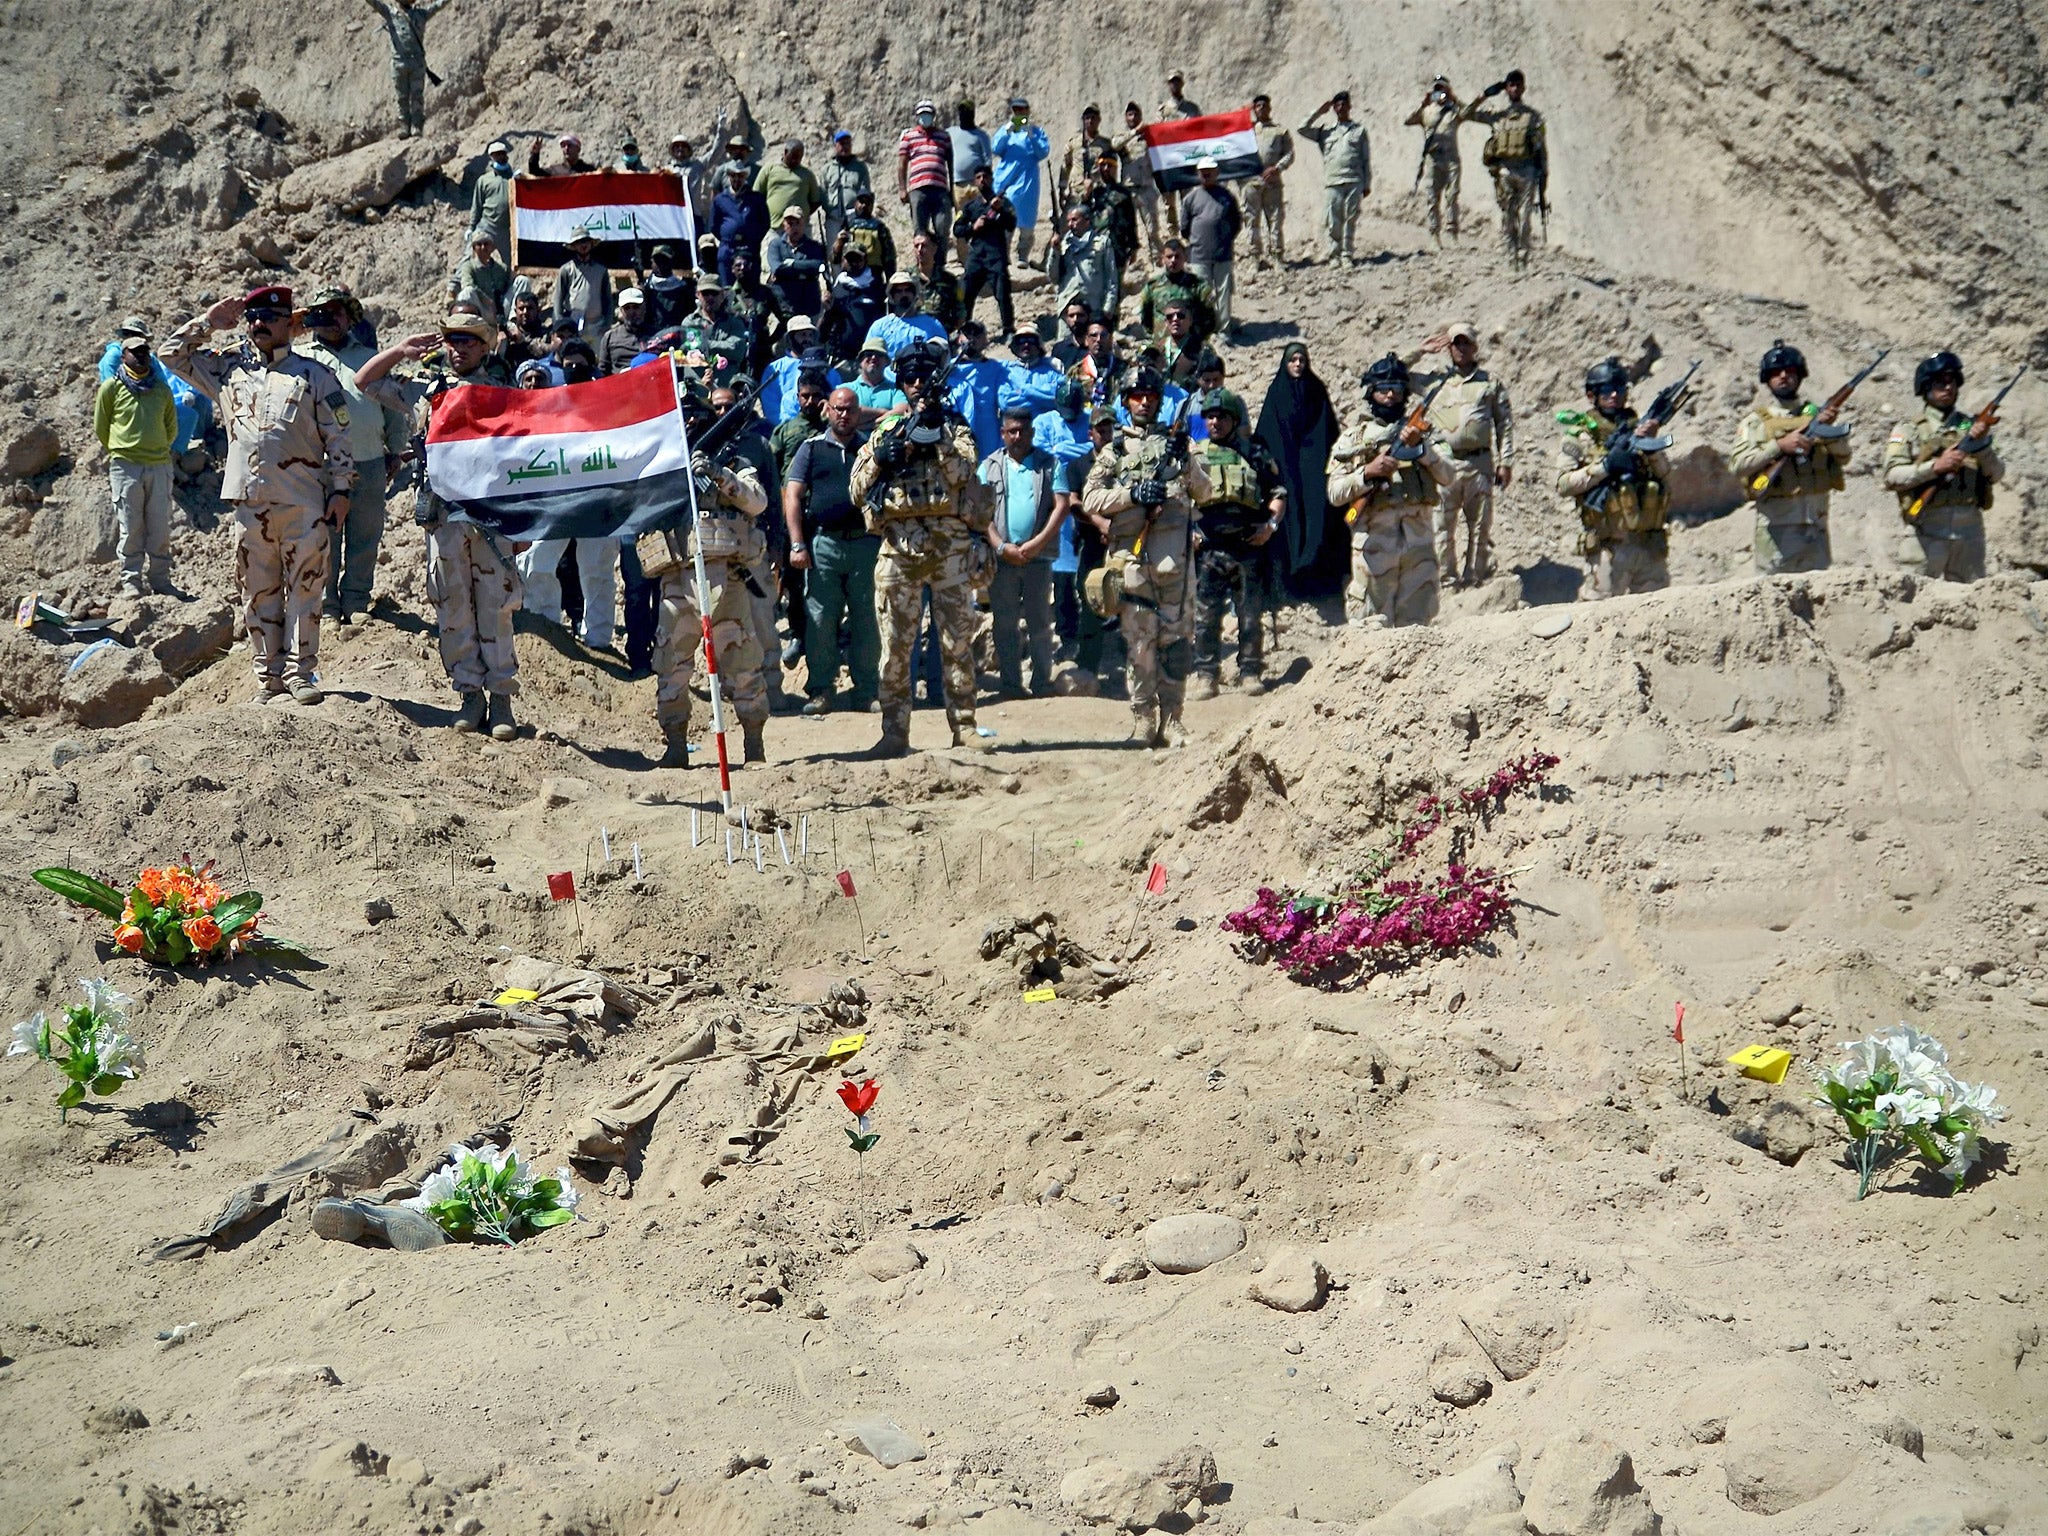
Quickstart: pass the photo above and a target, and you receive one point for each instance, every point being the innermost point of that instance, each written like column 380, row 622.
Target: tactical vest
column 937, row 483
column 1410, row 485
column 1462, row 419
column 868, row 235
column 1130, row 464
column 1235, row 506
column 1819, row 473
column 1637, row 508
column 1966, row 491
column 1513, row 140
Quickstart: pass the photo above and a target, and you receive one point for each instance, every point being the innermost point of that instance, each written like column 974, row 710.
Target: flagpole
column 704, row 603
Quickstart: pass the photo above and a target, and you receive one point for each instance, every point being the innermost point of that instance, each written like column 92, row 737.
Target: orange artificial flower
column 204, row 933
column 151, row 882
column 129, row 937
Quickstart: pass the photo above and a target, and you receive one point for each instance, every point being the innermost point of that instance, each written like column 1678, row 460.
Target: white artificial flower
column 1909, row 1106
column 31, row 1037
column 118, row 1055
column 111, row 1006
column 568, row 1197
column 438, row 1186
column 1921, row 1061
column 1976, row 1103
column 1963, row 1156
column 1861, row 1059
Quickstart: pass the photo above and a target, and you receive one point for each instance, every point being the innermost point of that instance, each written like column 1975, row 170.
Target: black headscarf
column 1298, row 427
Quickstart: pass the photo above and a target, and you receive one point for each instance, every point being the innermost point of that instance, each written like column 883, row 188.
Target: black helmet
column 1388, row 373
column 920, row 364
column 696, row 402
column 1145, row 381
column 1781, row 357
column 1605, row 376
column 1941, row 365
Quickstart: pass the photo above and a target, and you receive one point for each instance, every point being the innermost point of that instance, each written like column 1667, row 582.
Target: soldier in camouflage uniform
column 472, row 580
column 377, row 438
column 730, row 500
column 289, row 472
column 1141, row 493
column 1392, row 501
column 916, row 478
column 405, row 23
column 1476, row 423
column 1247, row 499
column 1624, row 539
column 1265, row 195
column 1438, row 118
column 1518, row 154
column 1789, row 456
column 1943, row 491
column 1078, row 161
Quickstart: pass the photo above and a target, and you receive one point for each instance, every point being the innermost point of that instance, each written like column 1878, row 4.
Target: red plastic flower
column 859, row 1098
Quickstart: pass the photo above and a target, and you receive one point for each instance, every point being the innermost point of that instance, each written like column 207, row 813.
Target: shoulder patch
column 338, row 401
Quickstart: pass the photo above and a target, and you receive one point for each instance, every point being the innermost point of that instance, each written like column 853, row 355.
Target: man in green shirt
column 789, row 185
column 135, row 417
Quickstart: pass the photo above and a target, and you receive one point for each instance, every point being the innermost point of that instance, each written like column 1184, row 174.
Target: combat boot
column 503, row 727
column 755, row 750
column 1144, row 725
column 471, row 716
column 965, row 735
column 1253, row 683
column 352, row 1221
column 895, row 740
column 1205, row 685
column 1171, row 732
column 677, row 734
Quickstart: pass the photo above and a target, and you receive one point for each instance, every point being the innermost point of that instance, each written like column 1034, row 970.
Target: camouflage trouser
column 1467, row 499
column 281, row 565
column 1515, row 189
column 475, row 591
column 915, row 553
column 1340, row 218
column 1959, row 556
column 1445, row 173
column 1783, row 549
column 1265, row 211
column 1393, row 567
column 761, row 624
column 352, row 548
column 1635, row 562
column 1157, row 615
column 411, row 80
column 1228, row 581
column 675, row 653
column 1146, row 196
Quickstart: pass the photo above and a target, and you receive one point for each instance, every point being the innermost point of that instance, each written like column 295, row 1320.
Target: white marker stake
column 636, row 861
column 782, row 845
column 803, row 837
column 728, row 845
column 607, row 838
column 693, row 826
column 759, row 867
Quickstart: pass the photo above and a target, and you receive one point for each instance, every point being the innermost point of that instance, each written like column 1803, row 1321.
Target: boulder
column 28, row 448
column 1582, row 1485
column 1457, row 1504
column 371, row 177
column 1182, row 1245
column 1785, row 1441
column 106, row 685
column 31, row 672
column 1112, row 1494
column 1781, row 1130
column 1515, row 1331
column 1457, row 1374
column 186, row 636
column 1121, row 1268
column 72, row 530
column 1189, row 1473
column 1292, row 1281
column 890, row 1259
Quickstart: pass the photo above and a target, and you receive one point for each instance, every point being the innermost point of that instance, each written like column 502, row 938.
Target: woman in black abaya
column 1298, row 427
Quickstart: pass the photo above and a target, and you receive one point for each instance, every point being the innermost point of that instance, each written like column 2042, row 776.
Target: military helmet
column 1145, row 381
column 920, row 364
column 1779, row 358
column 1225, row 401
column 1940, row 365
column 696, row 401
column 1605, row 376
column 1388, row 373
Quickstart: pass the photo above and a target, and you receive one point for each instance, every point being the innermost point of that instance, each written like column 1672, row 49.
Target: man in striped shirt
column 924, row 173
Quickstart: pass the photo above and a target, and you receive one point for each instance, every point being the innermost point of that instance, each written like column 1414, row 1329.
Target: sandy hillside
column 1523, row 1250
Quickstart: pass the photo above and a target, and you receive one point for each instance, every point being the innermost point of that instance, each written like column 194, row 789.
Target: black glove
column 892, row 450
column 1149, row 492
column 1621, row 459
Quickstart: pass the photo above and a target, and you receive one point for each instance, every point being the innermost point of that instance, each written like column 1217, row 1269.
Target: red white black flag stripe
column 1228, row 138
column 626, row 212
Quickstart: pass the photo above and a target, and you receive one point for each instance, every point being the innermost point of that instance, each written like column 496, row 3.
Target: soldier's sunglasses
column 265, row 315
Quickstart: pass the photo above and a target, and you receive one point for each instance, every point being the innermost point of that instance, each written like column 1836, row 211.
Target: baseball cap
column 1102, row 416
column 632, row 296
column 1464, row 328
column 665, row 250
column 1175, row 77
column 793, row 212
column 481, row 236
column 926, row 105
column 570, row 138
column 737, row 140
column 1206, row 163
column 498, row 147
column 902, row 280
column 1019, row 104
column 709, row 283
column 841, row 134
column 678, row 138
column 470, row 325
column 134, row 343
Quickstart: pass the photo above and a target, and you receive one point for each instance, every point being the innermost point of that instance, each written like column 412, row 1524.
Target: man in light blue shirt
column 1020, row 150
column 1034, row 379
column 903, row 327
column 778, row 379
column 874, row 387
column 1025, row 534
column 975, row 384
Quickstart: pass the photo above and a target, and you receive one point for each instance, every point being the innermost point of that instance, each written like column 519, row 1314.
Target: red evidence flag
column 562, row 887
column 1678, row 1029
column 845, row 878
column 1155, row 883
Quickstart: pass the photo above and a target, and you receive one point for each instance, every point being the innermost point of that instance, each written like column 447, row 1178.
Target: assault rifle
column 1407, row 453
column 1976, row 440
column 1822, row 424
column 1633, row 439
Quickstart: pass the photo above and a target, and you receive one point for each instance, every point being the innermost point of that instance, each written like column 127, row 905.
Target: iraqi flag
column 626, row 212
column 600, row 460
column 1225, row 137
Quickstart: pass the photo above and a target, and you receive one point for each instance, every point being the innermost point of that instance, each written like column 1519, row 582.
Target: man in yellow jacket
column 135, row 418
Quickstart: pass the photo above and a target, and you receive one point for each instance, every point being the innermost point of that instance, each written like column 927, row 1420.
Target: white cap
column 802, row 323
column 1206, row 163
column 632, row 296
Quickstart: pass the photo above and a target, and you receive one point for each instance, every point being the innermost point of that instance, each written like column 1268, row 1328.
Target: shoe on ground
column 400, row 1226
column 470, row 717
column 306, row 693
column 1203, row 685
column 134, row 586
column 817, row 704
column 676, row 753
column 1171, row 733
column 966, row 735
column 1252, row 683
column 792, row 652
column 892, row 745
column 161, row 586
column 754, row 749
column 503, row 726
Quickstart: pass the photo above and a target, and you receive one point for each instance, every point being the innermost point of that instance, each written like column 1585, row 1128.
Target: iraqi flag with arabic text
column 1225, row 137
column 627, row 213
column 605, row 459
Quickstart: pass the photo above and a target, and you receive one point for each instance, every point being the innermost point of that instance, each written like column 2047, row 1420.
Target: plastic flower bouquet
column 89, row 1045
column 1894, row 1092
column 490, row 1194
column 176, row 915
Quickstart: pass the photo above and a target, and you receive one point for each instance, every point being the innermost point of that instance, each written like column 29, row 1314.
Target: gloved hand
column 1149, row 492
column 702, row 467
column 1620, row 457
column 892, row 450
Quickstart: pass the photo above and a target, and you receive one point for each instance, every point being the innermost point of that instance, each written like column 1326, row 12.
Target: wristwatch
column 799, row 549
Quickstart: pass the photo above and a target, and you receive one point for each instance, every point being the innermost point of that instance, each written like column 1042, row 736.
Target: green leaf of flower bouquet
column 553, row 1218
column 864, row 1144
column 72, row 1096
column 176, row 947
column 144, row 907
column 547, row 1190
column 107, row 1084
column 237, row 912
column 73, row 885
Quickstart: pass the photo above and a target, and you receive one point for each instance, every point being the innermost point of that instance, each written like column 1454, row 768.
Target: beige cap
column 1464, row 328
column 471, row 325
